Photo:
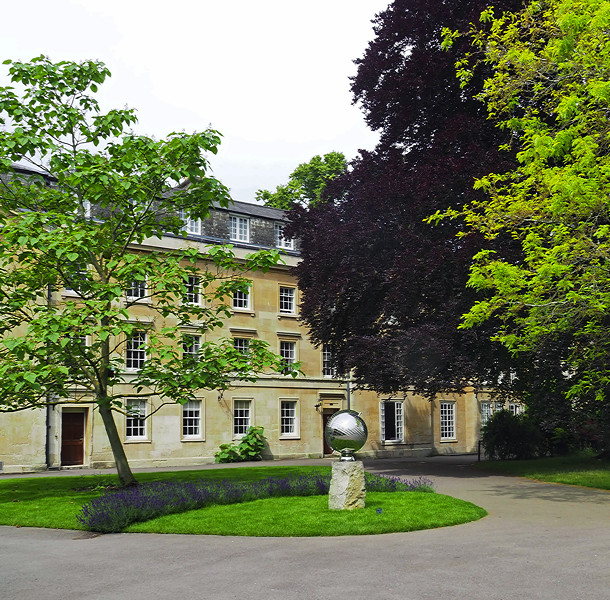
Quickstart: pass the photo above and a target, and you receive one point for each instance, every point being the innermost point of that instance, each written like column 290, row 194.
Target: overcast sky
column 271, row 75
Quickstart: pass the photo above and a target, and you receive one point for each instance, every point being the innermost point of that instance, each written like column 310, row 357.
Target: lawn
column 54, row 501
column 580, row 469
column 310, row 516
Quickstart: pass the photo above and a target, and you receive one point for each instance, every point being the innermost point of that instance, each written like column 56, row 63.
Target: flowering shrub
column 113, row 511
column 383, row 483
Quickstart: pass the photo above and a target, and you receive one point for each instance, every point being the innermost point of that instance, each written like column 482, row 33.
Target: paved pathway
column 540, row 541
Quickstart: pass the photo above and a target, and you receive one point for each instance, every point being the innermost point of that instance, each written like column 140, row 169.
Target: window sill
column 448, row 440
column 243, row 311
column 393, row 442
column 287, row 316
column 289, row 437
column 138, row 441
column 192, row 439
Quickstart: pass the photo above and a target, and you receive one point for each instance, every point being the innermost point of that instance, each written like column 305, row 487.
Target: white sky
column 270, row 75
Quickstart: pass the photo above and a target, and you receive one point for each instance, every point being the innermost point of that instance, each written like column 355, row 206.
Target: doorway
column 327, row 413
column 72, row 438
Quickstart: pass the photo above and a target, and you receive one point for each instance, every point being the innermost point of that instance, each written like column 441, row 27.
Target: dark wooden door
column 72, row 438
column 326, row 414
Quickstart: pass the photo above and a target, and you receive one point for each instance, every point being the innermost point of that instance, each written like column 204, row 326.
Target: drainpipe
column 47, row 445
column 349, row 390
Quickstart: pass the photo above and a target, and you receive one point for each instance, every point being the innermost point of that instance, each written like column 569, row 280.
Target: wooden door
column 72, row 438
column 326, row 414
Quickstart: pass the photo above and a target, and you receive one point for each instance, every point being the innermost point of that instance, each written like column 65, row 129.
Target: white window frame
column 399, row 420
column 239, row 228
column 328, row 369
column 487, row 411
column 242, row 344
column 289, row 418
column 515, row 408
column 242, row 300
column 135, row 419
column 139, row 287
column 192, row 413
column 79, row 275
column 191, row 345
column 86, row 205
column 287, row 300
column 193, row 290
column 242, row 416
column 135, row 355
column 288, row 352
column 280, row 240
column 447, row 418
column 191, row 226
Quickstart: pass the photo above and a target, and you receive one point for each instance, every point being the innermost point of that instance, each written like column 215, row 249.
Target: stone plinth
column 347, row 488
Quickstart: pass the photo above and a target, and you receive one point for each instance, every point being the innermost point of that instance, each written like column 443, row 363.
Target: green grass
column 580, row 469
column 310, row 516
column 54, row 501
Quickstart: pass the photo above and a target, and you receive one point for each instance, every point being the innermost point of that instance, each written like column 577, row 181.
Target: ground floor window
column 242, row 414
column 489, row 408
column 392, row 421
column 515, row 408
column 487, row 411
column 447, row 420
column 191, row 419
column 135, row 425
column 288, row 418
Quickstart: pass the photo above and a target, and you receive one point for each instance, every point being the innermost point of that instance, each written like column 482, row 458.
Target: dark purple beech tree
column 385, row 290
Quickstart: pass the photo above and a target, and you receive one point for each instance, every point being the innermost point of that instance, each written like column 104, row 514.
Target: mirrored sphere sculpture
column 346, row 433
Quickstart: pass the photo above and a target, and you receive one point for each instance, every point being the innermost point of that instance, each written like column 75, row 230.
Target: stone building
column 293, row 412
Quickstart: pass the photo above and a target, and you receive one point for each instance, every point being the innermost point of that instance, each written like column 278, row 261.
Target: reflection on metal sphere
column 346, row 432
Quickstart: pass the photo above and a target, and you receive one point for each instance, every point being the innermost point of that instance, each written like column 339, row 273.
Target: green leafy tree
column 550, row 88
column 89, row 225
column 306, row 183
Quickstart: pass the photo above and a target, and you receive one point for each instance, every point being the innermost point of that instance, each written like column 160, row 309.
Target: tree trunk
column 605, row 425
column 126, row 477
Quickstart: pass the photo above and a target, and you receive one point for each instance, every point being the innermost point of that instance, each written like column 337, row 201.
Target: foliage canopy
column 549, row 88
column 377, row 280
column 306, row 183
column 86, row 221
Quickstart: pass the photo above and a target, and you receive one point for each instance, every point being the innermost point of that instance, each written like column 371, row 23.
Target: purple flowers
column 113, row 511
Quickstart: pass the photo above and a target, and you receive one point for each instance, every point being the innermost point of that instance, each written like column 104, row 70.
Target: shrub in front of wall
column 250, row 447
column 506, row 436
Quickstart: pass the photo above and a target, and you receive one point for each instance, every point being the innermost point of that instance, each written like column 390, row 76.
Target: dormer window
column 280, row 240
column 191, row 226
column 239, row 229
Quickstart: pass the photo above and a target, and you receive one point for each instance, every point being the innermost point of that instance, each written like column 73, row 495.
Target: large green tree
column 306, row 183
column 86, row 227
column 550, row 88
column 384, row 290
